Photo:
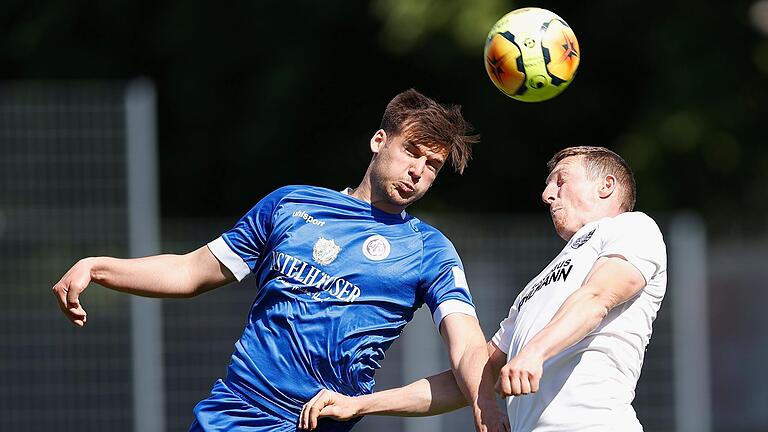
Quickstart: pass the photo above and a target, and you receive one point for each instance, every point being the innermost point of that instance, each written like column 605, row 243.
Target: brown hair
column 426, row 122
column 600, row 162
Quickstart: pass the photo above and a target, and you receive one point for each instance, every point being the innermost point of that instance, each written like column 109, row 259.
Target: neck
column 362, row 191
column 365, row 192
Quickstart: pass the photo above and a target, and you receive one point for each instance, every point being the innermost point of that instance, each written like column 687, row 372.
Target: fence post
column 144, row 239
column 690, row 326
column 421, row 357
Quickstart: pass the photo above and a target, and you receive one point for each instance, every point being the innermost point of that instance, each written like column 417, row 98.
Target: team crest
column 376, row 248
column 579, row 242
column 325, row 251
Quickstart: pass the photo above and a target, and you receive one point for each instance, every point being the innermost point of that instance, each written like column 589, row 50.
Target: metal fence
column 62, row 196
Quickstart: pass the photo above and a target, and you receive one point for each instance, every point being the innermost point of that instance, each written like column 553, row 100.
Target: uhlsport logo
column 308, row 218
column 325, row 251
column 376, row 248
column 579, row 242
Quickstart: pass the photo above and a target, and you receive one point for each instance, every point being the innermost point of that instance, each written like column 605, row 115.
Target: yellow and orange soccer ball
column 531, row 54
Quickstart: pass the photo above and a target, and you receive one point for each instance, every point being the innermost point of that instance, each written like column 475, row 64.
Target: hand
column 490, row 418
column 68, row 290
column 521, row 375
column 327, row 403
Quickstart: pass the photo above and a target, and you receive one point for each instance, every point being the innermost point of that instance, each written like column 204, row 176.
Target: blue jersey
column 337, row 280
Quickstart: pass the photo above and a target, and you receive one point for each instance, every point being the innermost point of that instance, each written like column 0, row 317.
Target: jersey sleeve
column 637, row 238
column 241, row 247
column 447, row 290
column 503, row 337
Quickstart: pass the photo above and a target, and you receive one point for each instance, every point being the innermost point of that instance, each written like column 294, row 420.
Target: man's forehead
column 566, row 165
column 437, row 149
column 431, row 148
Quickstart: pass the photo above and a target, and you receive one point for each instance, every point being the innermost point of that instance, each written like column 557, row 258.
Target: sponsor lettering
column 308, row 279
column 559, row 272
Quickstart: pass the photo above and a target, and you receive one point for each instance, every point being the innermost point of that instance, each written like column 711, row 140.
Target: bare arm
column 468, row 354
column 155, row 276
column 430, row 396
column 611, row 282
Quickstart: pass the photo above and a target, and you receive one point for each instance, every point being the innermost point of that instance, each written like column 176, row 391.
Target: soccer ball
column 531, row 54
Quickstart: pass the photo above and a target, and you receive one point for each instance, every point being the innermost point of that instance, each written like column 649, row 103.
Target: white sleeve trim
column 229, row 258
column 459, row 278
column 452, row 306
column 646, row 268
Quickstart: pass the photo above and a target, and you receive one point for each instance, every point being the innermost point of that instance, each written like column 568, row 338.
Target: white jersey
column 589, row 386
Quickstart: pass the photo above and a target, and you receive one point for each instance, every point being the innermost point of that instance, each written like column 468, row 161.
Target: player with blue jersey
column 338, row 280
column 338, row 275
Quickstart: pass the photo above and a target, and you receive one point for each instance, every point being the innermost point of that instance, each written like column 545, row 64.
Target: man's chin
column 561, row 229
column 403, row 201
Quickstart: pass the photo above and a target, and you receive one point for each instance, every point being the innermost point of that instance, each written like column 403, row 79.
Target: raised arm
column 154, row 276
column 468, row 354
column 611, row 282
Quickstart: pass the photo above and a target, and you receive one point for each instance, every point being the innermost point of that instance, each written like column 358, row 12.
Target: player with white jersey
column 589, row 385
column 337, row 277
column 569, row 354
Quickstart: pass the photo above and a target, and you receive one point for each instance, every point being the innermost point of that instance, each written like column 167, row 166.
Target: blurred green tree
column 259, row 94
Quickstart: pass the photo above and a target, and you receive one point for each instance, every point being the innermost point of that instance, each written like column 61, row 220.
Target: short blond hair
column 600, row 162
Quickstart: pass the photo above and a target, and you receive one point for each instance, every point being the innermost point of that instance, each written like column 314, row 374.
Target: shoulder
column 636, row 237
column 632, row 231
column 634, row 217
column 428, row 232
column 281, row 192
column 269, row 203
column 300, row 192
column 434, row 241
column 633, row 222
column 289, row 190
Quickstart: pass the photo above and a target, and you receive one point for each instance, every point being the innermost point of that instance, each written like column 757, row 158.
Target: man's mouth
column 406, row 187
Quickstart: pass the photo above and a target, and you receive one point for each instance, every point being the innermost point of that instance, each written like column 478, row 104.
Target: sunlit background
column 253, row 95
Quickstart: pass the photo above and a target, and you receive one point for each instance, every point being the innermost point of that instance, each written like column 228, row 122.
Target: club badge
column 376, row 248
column 579, row 242
column 325, row 251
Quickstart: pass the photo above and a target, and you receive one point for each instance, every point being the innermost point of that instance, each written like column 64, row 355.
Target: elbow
column 189, row 293
column 194, row 288
column 602, row 312
column 594, row 313
column 187, row 288
column 600, row 306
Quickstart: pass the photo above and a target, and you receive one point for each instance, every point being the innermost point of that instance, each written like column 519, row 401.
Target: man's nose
column 548, row 195
column 417, row 167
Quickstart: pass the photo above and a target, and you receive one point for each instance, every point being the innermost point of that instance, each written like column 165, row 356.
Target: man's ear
column 378, row 140
column 607, row 186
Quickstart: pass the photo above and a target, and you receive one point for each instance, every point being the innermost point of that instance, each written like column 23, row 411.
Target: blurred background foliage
column 255, row 95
